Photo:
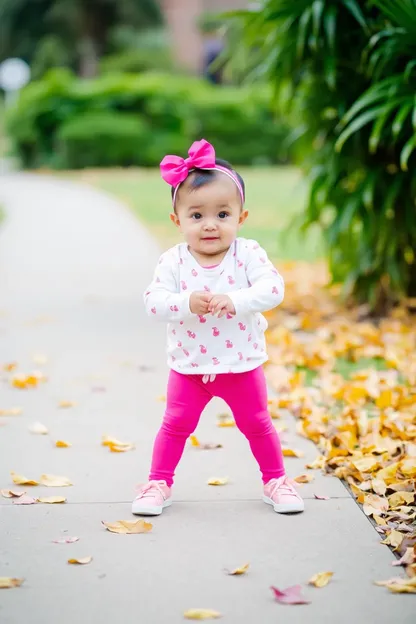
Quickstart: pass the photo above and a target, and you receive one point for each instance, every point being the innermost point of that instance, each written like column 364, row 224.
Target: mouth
column 210, row 238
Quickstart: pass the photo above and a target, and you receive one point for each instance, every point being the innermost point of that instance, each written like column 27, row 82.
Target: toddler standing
column 211, row 290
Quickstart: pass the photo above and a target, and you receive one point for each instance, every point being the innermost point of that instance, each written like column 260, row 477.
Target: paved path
column 73, row 266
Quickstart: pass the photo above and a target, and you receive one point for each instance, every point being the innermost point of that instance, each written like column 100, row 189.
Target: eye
column 223, row 214
column 196, row 216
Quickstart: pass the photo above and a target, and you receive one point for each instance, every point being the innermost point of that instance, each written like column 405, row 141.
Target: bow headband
column 174, row 169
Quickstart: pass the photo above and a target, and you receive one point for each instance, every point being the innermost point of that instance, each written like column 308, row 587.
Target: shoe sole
column 150, row 511
column 286, row 508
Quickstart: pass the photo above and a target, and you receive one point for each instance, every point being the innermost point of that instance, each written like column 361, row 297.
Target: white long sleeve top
column 208, row 344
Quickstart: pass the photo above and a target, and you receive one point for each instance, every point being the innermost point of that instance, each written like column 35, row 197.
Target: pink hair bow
column 175, row 169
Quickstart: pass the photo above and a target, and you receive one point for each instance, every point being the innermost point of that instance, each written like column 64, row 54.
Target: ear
column 175, row 219
column 243, row 217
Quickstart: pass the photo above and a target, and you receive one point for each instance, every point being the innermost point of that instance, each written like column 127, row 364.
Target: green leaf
column 357, row 124
column 330, row 25
column 400, row 118
column 355, row 10
column 406, row 152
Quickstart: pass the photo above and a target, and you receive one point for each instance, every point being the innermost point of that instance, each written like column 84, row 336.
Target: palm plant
column 345, row 73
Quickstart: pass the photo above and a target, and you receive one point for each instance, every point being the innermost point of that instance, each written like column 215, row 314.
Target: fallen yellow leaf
column 81, row 561
column 399, row 585
column 54, row 481
column 394, row 539
column 238, row 571
column 10, row 367
column 304, row 478
column 66, row 404
column 52, row 499
column 7, row 582
column 161, row 398
column 318, row 463
column 320, row 579
column 287, row 452
column 25, row 381
column 22, row 480
column 37, row 427
column 12, row 411
column 366, row 464
column 62, row 444
column 398, row 498
column 225, row 420
column 379, row 486
column 201, row 614
column 194, row 440
column 11, row 493
column 374, row 505
column 115, row 448
column 128, row 527
column 217, row 481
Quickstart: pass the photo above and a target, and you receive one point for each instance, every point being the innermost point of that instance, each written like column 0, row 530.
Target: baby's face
column 209, row 217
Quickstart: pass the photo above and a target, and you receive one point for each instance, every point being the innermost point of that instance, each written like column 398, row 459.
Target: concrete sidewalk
column 73, row 266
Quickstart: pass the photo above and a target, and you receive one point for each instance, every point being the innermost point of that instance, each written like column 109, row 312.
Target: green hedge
column 124, row 119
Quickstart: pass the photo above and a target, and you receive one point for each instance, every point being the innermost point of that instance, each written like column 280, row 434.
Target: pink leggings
column 187, row 396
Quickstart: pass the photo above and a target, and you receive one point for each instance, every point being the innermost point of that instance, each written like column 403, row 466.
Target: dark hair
column 200, row 177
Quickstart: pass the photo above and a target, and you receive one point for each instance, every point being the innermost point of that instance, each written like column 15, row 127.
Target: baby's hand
column 220, row 305
column 199, row 301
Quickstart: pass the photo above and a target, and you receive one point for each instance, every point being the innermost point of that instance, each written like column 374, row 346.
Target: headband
column 174, row 169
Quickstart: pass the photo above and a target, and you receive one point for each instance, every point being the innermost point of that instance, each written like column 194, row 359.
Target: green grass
column 274, row 196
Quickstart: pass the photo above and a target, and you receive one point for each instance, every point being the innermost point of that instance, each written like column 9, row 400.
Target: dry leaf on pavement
column 374, row 504
column 304, row 478
column 394, row 538
column 201, row 614
column 320, row 579
column 399, row 585
column 225, row 420
column 25, row 500
column 22, row 382
column 62, row 444
column 81, row 560
column 205, row 446
column 37, row 427
column 116, row 446
column 11, row 366
column 22, row 480
column 66, row 404
column 66, row 540
column 11, row 493
column 52, row 499
column 217, row 481
column 54, row 481
column 128, row 527
column 321, row 497
column 11, row 411
column 288, row 452
column 290, row 595
column 238, row 571
column 7, row 582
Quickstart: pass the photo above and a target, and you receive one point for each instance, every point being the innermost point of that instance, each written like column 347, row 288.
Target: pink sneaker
column 281, row 494
column 151, row 499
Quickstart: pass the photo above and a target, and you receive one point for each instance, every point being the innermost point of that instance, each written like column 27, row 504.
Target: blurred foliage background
column 326, row 85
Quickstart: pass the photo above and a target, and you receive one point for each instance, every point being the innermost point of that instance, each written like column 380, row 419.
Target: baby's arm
column 266, row 289
column 162, row 299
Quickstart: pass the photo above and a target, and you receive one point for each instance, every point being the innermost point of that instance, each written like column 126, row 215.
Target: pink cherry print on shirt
column 274, row 290
column 179, row 344
column 174, row 332
column 240, row 356
column 180, row 260
column 215, row 331
column 215, row 361
column 186, row 352
column 255, row 345
column 240, row 264
column 256, row 246
column 229, row 344
column 173, row 358
column 174, row 308
column 202, row 349
column 191, row 334
column 206, row 289
column 194, row 273
column 229, row 316
column 231, row 280
column 242, row 326
column 180, row 322
column 184, row 285
column 202, row 319
column 194, row 365
column 147, row 293
column 275, row 272
column 249, row 337
column 153, row 310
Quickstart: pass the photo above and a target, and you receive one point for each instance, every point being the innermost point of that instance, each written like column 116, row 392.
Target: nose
column 209, row 225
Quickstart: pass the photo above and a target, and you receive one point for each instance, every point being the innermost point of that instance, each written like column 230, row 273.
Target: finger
column 219, row 306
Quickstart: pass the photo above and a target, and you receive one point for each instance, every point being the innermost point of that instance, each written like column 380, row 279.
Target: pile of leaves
column 351, row 382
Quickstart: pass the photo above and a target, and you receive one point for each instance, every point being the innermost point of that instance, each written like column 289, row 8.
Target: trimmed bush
column 123, row 119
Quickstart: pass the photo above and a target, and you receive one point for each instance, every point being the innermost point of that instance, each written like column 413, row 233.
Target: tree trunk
column 186, row 40
column 89, row 57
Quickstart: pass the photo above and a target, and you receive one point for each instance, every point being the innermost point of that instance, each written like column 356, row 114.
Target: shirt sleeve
column 267, row 288
column 163, row 299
